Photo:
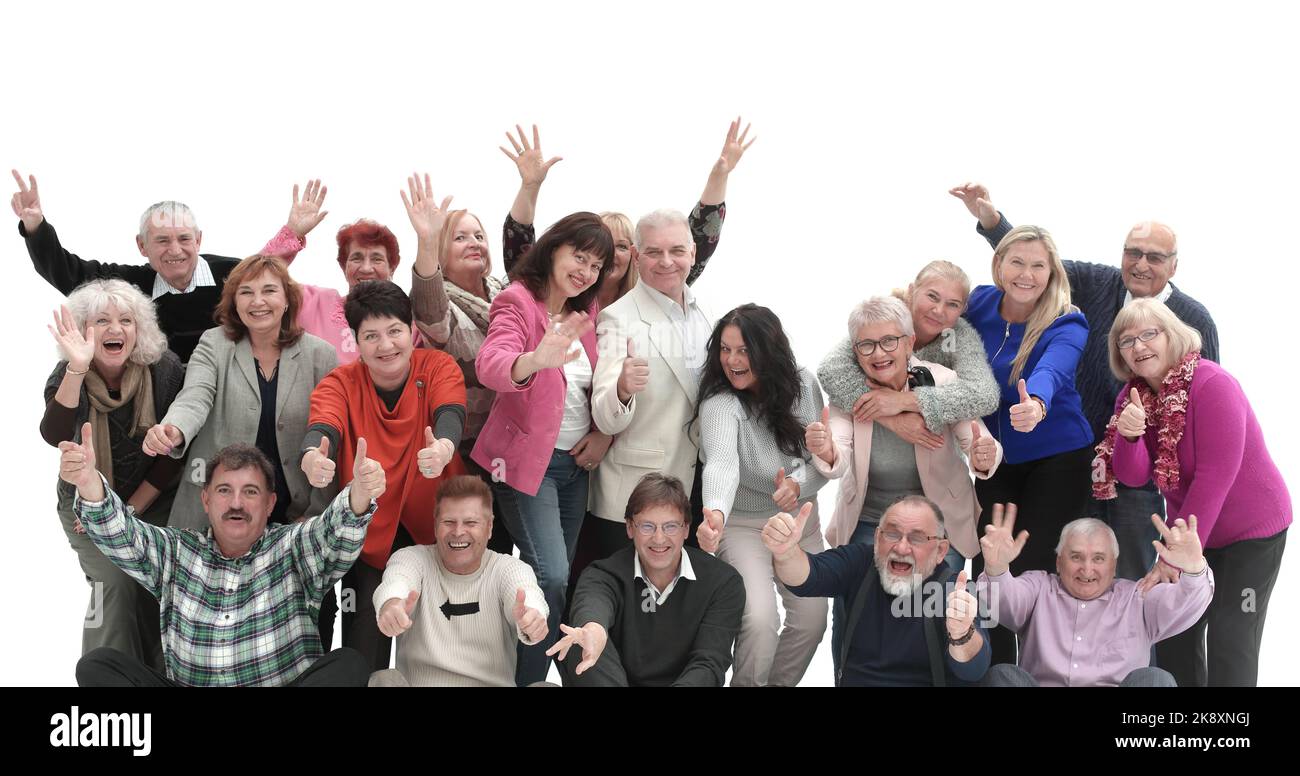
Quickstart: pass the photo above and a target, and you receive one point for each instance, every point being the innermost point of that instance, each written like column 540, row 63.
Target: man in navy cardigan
column 1149, row 260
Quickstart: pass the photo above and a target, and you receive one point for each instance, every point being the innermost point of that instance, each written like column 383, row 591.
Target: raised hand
column 781, row 533
column 817, row 438
column 528, row 158
column 27, row 203
column 591, row 637
column 1182, row 545
column 77, row 466
column 786, row 494
column 162, row 439
column 318, row 467
column 368, row 479
column 1159, row 573
column 395, row 616
column 305, row 214
column 910, row 427
column 710, row 533
column 733, row 148
column 79, row 350
column 530, row 622
column 977, row 200
column 1026, row 415
column 635, row 375
column 435, row 455
column 997, row 545
column 1133, row 419
column 983, row 450
column 554, row 349
column 427, row 216
column 961, row 610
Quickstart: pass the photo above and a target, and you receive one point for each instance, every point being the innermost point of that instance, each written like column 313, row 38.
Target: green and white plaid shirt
column 233, row 621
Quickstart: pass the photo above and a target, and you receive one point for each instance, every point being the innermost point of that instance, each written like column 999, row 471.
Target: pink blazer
column 945, row 474
column 519, row 436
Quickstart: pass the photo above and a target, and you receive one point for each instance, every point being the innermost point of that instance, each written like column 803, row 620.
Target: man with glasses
column 1148, row 262
column 657, row 613
column 905, row 628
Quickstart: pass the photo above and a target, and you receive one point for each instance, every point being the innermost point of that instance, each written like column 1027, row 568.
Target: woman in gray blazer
column 249, row 380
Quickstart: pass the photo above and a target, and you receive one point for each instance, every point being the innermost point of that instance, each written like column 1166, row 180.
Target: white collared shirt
column 1163, row 296
column 692, row 325
column 684, row 571
column 202, row 277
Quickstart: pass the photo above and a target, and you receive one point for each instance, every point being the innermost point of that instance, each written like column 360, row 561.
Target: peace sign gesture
column 305, row 214
column 997, row 546
column 1182, row 545
column 27, row 203
column 528, row 158
column 427, row 216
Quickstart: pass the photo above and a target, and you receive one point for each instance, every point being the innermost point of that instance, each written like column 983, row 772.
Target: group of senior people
column 607, row 424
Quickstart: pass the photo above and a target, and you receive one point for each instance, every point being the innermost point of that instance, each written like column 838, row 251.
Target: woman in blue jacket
column 1033, row 336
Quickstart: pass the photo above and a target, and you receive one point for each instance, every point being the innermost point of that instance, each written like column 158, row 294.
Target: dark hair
column 227, row 315
column 376, row 299
column 464, row 486
column 239, row 456
column 366, row 233
column 658, row 490
column 913, row 498
column 772, row 362
column 585, row 232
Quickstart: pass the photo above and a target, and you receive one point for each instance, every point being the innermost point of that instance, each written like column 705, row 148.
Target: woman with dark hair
column 258, row 357
column 539, row 355
column 409, row 405
column 755, row 405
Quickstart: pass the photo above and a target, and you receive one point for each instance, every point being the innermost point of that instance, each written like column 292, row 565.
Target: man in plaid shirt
column 238, row 604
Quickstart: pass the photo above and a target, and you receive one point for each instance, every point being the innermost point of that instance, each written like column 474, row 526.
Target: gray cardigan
column 221, row 404
column 973, row 395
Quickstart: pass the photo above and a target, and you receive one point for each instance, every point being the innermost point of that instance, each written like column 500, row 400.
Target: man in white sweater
column 458, row 607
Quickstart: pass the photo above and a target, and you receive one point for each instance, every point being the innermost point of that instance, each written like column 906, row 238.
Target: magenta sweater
column 1226, row 477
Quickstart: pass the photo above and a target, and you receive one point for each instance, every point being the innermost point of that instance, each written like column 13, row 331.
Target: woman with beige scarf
column 116, row 373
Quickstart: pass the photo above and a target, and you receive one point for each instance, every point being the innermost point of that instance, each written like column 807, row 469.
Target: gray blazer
column 220, row 404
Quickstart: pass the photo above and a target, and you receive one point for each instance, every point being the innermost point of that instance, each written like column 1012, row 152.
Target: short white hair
column 658, row 219
column 881, row 309
column 1087, row 526
column 178, row 213
column 94, row 297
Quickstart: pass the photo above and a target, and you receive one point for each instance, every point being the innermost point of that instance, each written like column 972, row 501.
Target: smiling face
column 623, row 255
column 883, row 367
column 1024, row 272
column 574, row 271
column 1146, row 275
column 467, row 249
column 114, row 339
column 238, row 503
column 734, row 356
column 660, row 554
column 172, row 247
column 463, row 528
column 666, row 257
column 903, row 565
column 366, row 262
column 261, row 304
column 385, row 348
column 936, row 305
column 1147, row 360
column 1086, row 565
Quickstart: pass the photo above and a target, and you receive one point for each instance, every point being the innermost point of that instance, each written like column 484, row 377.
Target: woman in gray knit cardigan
column 936, row 300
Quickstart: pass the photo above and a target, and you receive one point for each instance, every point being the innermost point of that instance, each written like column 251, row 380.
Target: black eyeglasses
column 1153, row 257
column 866, row 347
column 1146, row 336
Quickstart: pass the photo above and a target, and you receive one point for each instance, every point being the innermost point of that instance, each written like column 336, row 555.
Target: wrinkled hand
column 997, row 545
column 427, row 216
column 556, row 348
column 395, row 616
column 368, row 479
column 162, row 439
column 79, row 350
column 591, row 449
column 435, row 455
column 910, row 427
column 635, row 375
column 591, row 637
column 983, row 450
column 1182, row 545
column 1159, row 573
column 977, row 200
column 781, row 532
column 961, row 610
column 305, row 214
column 530, row 622
column 710, row 533
column 879, row 403
column 733, row 148
column 1133, row 419
column 528, row 158
column 77, row 466
column 817, row 437
column 27, row 203
column 786, row 494
column 1026, row 415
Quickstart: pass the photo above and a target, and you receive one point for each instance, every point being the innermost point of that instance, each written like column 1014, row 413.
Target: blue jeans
column 865, row 533
column 1129, row 516
column 546, row 527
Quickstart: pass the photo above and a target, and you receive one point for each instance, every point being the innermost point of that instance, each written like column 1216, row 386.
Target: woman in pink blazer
column 539, row 356
column 876, row 467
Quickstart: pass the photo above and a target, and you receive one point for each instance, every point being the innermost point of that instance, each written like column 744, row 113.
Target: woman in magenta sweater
column 1185, row 422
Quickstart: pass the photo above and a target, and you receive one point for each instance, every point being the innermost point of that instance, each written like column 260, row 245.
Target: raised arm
column 708, row 214
column 533, row 167
column 429, row 302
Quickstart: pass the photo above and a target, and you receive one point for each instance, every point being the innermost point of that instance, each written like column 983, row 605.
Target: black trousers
column 106, row 667
column 1048, row 493
column 360, row 628
column 1222, row 648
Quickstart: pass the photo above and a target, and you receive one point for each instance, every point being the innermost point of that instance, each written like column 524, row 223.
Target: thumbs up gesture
column 983, row 449
column 710, row 533
column 395, row 616
column 1028, row 413
column 318, row 467
column 961, row 609
column 368, row 480
column 161, row 439
column 1133, row 419
column 817, row 438
column 530, row 622
column 635, row 376
column 782, row 532
column 786, row 494
column 77, row 466
column 435, row 455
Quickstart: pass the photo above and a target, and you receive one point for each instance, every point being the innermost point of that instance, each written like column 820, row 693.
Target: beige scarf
column 137, row 386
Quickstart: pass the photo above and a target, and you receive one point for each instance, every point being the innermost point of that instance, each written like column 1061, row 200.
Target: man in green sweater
column 657, row 613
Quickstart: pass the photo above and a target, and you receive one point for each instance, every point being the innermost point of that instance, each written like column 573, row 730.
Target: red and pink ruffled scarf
column 1167, row 412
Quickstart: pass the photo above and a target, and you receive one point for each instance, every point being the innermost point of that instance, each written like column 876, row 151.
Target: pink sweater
column 1226, row 477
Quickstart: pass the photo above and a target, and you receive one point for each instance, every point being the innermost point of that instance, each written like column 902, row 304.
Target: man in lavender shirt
column 1081, row 627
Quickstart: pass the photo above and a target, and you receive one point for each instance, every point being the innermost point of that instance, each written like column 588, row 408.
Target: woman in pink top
column 1185, row 422
column 539, row 355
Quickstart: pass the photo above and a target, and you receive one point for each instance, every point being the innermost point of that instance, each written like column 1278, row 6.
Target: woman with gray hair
column 876, row 466
column 119, row 376
column 1186, row 423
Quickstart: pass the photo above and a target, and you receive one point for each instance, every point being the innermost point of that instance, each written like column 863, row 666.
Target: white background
column 1082, row 120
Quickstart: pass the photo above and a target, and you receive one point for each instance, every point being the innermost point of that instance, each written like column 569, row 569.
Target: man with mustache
column 239, row 602
column 890, row 641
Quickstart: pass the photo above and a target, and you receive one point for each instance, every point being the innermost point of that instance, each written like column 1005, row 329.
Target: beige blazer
column 945, row 473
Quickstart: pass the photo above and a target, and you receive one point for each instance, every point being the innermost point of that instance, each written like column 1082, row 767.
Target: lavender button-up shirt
column 1066, row 642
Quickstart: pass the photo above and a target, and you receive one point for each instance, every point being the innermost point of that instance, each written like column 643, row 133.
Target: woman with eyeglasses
column 1033, row 336
column 877, row 466
column 1184, row 422
column 755, row 404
